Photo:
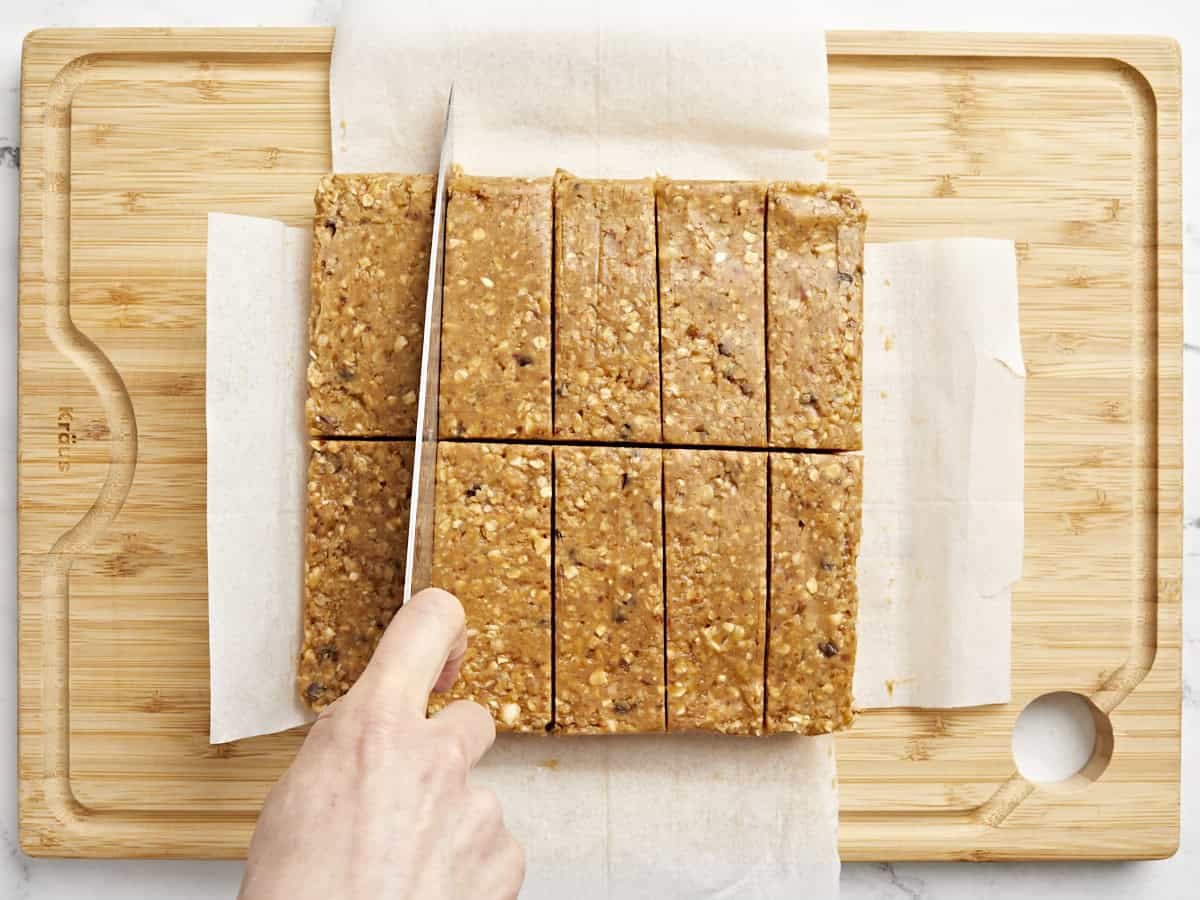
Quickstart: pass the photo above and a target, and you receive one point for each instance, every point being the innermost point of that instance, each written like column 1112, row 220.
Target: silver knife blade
column 418, row 560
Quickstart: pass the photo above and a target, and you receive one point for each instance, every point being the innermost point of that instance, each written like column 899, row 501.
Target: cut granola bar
column 606, row 311
column 358, row 493
column 496, row 309
column 370, row 265
column 609, row 604
column 716, row 548
column 710, row 252
column 492, row 551
column 816, row 520
column 814, row 316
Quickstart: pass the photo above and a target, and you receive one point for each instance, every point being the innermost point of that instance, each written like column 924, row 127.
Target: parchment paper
column 609, row 89
column 257, row 334
column 651, row 817
column 943, row 489
column 658, row 817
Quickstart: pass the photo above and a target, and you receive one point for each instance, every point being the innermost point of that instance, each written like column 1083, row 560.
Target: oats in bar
column 358, row 493
column 496, row 354
column 711, row 273
column 608, row 601
column 716, row 549
column 606, row 311
column 814, row 316
column 370, row 265
column 816, row 522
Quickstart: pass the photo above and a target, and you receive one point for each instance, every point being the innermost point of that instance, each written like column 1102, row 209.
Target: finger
column 453, row 665
column 423, row 637
column 515, row 865
column 505, row 869
column 472, row 723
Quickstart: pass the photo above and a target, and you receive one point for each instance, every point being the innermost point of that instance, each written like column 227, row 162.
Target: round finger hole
column 1062, row 739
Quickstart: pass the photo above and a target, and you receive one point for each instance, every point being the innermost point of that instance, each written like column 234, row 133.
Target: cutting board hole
column 1063, row 740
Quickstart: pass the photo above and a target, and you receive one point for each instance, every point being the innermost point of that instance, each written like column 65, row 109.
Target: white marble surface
column 21, row 877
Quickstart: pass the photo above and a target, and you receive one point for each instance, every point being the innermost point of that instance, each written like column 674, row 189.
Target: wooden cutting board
column 1070, row 146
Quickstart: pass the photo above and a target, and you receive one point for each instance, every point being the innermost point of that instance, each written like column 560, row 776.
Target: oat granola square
column 492, row 551
column 370, row 264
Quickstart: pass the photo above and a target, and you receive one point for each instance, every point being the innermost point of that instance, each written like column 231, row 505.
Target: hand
column 378, row 802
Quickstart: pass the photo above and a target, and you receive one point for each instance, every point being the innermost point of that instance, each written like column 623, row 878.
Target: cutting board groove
column 1068, row 145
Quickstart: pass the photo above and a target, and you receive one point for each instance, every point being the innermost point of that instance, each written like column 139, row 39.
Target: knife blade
column 418, row 560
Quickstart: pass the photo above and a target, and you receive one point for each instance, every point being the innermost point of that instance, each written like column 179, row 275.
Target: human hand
column 378, row 802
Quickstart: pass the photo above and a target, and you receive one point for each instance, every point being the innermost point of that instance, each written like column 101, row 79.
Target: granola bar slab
column 814, row 316
column 495, row 378
column 710, row 252
column 370, row 264
column 816, row 520
column 716, row 551
column 358, row 493
column 492, row 551
column 606, row 311
column 609, row 603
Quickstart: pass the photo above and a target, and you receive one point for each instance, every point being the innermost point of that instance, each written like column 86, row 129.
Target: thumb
column 421, row 651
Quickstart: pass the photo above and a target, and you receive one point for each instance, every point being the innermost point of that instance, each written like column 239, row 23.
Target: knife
column 418, row 559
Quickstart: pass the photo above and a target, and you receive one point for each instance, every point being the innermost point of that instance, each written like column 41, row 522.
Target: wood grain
column 1068, row 145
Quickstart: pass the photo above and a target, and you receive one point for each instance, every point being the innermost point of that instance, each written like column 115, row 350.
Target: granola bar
column 358, row 493
column 814, row 316
column 371, row 239
column 816, row 520
column 710, row 252
column 492, row 551
column 716, row 545
column 606, row 311
column 609, row 604
column 495, row 377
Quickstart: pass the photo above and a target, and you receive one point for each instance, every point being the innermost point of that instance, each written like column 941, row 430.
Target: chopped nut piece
column 608, row 552
column 492, row 551
column 496, row 309
column 814, row 316
column 711, row 290
column 606, row 311
column 371, row 238
column 358, row 494
column 716, row 542
column 374, row 199
column 815, row 528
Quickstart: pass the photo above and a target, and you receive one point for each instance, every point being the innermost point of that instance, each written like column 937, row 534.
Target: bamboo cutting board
column 1070, row 146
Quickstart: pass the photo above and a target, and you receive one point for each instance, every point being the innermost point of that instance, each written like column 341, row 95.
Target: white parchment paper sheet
column 943, row 489
column 631, row 817
column 651, row 816
column 257, row 333
column 609, row 89
column 660, row 818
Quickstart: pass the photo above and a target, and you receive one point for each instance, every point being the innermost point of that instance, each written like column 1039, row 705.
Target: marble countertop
column 22, row 877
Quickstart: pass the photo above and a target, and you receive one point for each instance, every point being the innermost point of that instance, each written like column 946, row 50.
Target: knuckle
column 445, row 755
column 454, row 753
column 372, row 732
column 482, row 719
column 488, row 804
